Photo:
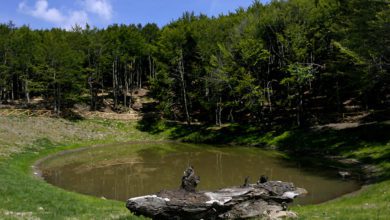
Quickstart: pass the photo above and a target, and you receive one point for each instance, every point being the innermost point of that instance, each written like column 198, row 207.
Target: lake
column 125, row 170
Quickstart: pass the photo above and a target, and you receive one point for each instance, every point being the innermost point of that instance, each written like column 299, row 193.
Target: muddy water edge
column 124, row 170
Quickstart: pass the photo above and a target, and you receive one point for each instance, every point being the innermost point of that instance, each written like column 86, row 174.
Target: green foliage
column 300, row 75
column 267, row 61
column 348, row 54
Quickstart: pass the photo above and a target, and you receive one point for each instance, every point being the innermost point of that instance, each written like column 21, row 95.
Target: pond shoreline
column 351, row 166
column 37, row 172
column 20, row 152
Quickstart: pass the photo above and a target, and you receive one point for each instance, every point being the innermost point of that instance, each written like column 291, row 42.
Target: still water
column 127, row 170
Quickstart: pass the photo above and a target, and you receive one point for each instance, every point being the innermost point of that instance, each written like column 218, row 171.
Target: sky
column 42, row 14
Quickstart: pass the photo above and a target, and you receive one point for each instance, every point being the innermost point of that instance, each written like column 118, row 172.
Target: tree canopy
column 286, row 61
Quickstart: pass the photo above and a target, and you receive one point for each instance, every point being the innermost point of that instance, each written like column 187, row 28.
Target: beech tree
column 288, row 62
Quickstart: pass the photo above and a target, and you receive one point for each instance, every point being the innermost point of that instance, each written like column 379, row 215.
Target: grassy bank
column 24, row 140
column 368, row 143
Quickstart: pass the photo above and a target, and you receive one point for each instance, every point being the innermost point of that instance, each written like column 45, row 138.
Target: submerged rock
column 266, row 199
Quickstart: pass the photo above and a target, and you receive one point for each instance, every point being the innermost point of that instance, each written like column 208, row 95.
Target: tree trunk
column 269, row 95
column 138, row 85
column 131, row 83
column 218, row 113
column 140, row 77
column 27, row 91
column 126, row 88
column 17, row 89
column 92, row 94
column 181, row 71
column 55, row 96
column 300, row 117
column 59, row 99
column 154, row 69
column 338, row 96
column 13, row 89
column 231, row 117
column 114, row 82
column 150, row 66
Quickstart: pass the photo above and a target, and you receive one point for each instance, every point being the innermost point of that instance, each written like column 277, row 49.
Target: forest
column 295, row 62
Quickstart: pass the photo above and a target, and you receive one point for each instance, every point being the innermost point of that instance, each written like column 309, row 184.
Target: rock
column 247, row 209
column 265, row 200
column 276, row 214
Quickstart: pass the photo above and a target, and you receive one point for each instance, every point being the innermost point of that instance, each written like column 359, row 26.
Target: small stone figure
column 263, row 179
column 246, row 182
column 189, row 181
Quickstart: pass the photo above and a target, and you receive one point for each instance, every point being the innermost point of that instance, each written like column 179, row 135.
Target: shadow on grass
column 204, row 133
column 369, row 143
column 331, row 141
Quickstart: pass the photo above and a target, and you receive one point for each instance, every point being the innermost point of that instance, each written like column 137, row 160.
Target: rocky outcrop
column 267, row 199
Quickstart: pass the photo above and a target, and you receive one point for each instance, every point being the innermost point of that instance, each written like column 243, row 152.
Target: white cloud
column 102, row 8
column 76, row 17
column 41, row 10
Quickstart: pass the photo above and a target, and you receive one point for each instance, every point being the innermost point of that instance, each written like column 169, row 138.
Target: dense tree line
column 283, row 61
column 65, row 66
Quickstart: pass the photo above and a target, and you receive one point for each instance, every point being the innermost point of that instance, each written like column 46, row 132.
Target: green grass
column 372, row 202
column 24, row 196
column 25, row 140
column 369, row 144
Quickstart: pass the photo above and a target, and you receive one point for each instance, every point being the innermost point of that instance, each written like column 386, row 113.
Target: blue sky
column 40, row 14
